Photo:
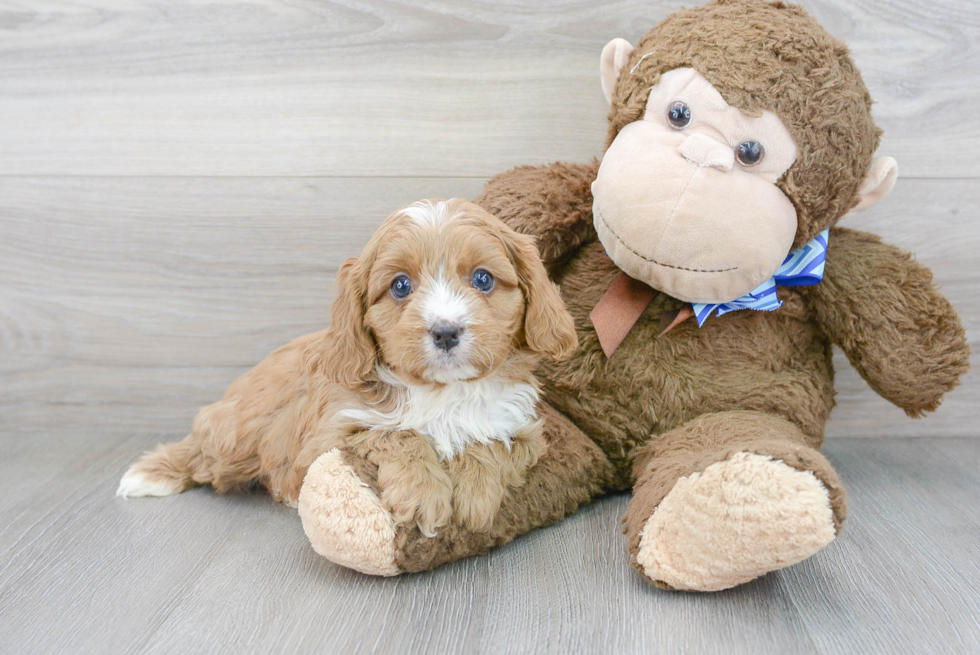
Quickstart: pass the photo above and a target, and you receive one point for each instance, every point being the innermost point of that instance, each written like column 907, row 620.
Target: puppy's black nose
column 445, row 335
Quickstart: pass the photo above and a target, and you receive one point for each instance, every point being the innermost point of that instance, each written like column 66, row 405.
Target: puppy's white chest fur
column 454, row 415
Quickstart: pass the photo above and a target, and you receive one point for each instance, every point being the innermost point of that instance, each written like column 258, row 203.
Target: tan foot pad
column 733, row 522
column 344, row 519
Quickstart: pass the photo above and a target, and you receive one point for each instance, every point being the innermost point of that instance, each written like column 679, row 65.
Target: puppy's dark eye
column 749, row 153
column 401, row 287
column 679, row 115
column 482, row 281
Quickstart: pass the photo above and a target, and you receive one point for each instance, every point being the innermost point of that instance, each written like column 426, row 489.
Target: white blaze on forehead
column 444, row 302
column 427, row 213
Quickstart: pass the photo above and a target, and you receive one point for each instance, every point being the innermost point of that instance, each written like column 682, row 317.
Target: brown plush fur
column 275, row 420
column 875, row 302
column 907, row 342
column 666, row 407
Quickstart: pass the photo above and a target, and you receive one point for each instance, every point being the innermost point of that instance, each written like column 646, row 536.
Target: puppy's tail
column 164, row 471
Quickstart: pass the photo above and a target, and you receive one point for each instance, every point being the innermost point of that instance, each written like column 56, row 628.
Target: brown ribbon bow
column 621, row 307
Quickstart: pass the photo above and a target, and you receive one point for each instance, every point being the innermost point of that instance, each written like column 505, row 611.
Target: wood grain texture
column 129, row 302
column 126, row 303
column 84, row 572
column 422, row 88
column 904, row 551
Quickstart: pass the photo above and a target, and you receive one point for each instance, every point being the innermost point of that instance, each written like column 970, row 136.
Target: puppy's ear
column 548, row 327
column 348, row 349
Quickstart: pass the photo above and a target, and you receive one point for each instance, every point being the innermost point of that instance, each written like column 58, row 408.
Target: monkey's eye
column 679, row 115
column 482, row 280
column 749, row 153
column 401, row 287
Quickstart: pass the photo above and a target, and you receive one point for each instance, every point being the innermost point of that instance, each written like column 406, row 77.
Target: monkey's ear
column 614, row 56
column 876, row 185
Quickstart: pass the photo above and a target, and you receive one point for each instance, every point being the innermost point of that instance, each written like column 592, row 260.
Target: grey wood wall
column 179, row 180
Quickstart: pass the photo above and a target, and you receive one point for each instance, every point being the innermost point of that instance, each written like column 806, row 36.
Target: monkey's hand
column 898, row 331
column 551, row 203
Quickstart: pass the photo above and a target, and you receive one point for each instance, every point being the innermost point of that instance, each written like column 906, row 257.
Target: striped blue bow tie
column 803, row 267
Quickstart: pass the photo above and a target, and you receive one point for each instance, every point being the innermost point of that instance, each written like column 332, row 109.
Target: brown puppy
column 425, row 371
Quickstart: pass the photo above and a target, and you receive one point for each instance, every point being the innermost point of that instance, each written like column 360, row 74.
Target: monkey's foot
column 344, row 519
column 733, row 522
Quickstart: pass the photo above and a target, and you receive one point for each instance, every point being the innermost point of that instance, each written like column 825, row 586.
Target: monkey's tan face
column 686, row 199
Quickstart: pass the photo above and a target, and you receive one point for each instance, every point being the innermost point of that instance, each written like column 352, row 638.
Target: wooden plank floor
column 422, row 87
column 84, row 572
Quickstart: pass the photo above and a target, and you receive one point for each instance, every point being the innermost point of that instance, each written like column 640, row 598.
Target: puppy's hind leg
column 164, row 471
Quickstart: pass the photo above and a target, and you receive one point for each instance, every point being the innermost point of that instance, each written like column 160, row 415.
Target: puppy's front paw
column 416, row 491
column 477, row 500
column 484, row 472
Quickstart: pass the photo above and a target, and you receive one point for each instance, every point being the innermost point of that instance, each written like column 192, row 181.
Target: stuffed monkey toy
column 708, row 279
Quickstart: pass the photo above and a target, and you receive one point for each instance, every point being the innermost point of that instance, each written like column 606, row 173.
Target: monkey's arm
column 898, row 331
column 552, row 203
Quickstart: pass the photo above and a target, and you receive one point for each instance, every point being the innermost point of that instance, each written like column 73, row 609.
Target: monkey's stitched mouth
column 598, row 215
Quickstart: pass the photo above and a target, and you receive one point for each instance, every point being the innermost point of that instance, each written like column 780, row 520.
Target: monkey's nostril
column 446, row 335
